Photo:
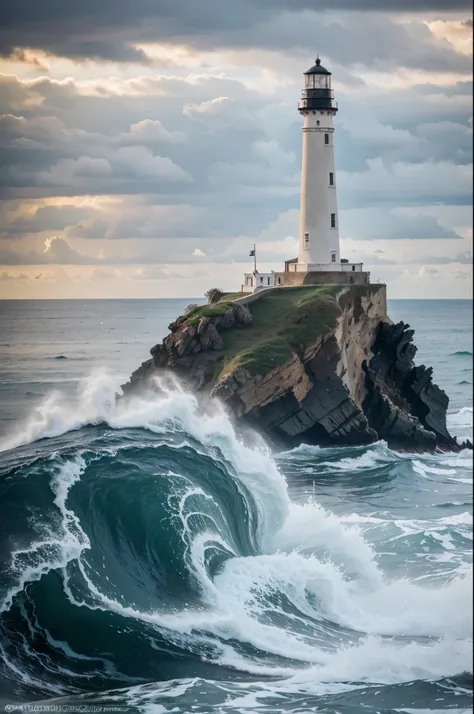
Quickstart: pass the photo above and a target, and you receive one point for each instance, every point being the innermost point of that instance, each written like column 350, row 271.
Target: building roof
column 317, row 69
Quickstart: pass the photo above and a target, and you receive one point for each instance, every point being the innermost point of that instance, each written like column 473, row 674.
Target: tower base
column 322, row 277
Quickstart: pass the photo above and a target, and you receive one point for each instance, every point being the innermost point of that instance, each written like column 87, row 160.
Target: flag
column 252, row 253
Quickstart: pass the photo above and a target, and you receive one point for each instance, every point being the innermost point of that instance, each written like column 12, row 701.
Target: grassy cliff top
column 283, row 321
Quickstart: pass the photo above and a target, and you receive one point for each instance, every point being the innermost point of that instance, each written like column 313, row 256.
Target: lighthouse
column 319, row 224
column 319, row 261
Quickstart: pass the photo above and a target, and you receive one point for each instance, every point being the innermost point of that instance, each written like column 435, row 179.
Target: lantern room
column 317, row 92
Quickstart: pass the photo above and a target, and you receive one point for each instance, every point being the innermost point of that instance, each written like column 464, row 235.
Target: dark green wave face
column 155, row 558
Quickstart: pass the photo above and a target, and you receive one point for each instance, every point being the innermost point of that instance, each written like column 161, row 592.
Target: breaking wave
column 154, row 553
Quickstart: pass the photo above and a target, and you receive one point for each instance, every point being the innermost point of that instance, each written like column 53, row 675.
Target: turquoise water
column 155, row 560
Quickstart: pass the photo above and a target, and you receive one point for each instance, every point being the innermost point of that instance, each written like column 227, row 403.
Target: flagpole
column 254, row 259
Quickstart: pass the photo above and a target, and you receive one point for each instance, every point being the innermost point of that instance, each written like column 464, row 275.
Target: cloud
column 20, row 132
column 460, row 275
column 92, row 229
column 46, row 218
column 58, row 250
column 140, row 161
column 103, row 274
column 424, row 270
column 406, row 183
column 222, row 113
column 465, row 258
column 201, row 144
column 72, row 173
column 150, row 273
column 371, row 259
column 151, row 131
column 423, row 139
column 261, row 163
column 104, row 29
column 382, row 223
column 6, row 276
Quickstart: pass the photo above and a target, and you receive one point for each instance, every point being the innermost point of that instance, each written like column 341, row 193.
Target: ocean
column 155, row 560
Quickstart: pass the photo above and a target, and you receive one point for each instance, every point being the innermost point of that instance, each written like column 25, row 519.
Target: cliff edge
column 318, row 365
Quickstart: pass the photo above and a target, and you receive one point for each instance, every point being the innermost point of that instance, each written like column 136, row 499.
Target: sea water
column 155, row 560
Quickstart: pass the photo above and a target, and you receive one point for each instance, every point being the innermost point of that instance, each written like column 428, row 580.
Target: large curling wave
column 146, row 541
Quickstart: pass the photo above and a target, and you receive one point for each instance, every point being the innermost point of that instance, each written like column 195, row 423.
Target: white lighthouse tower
column 319, row 226
column 319, row 261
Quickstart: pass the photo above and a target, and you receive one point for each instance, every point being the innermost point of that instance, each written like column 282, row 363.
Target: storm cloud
column 110, row 29
column 153, row 133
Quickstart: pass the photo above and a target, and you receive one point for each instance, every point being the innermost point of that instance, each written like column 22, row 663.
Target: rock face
column 191, row 350
column 397, row 391
column 353, row 384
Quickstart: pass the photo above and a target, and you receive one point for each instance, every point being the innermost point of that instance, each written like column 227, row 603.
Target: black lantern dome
column 317, row 94
column 317, row 68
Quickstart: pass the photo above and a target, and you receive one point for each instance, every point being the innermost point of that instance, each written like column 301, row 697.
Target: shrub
column 214, row 295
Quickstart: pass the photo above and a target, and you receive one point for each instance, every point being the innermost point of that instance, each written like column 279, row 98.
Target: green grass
column 217, row 308
column 257, row 358
column 367, row 290
column 230, row 297
column 283, row 322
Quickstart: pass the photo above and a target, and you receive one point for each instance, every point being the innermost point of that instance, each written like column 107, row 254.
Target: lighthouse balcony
column 343, row 267
column 317, row 105
column 317, row 99
column 324, row 274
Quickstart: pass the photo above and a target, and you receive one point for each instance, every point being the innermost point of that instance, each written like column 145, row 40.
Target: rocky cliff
column 319, row 365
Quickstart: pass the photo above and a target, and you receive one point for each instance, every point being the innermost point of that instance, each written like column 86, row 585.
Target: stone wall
column 255, row 295
column 322, row 277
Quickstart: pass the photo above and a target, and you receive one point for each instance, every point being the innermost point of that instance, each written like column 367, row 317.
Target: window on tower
column 333, row 257
column 326, row 139
column 317, row 123
column 331, row 179
column 333, row 220
column 320, row 81
column 306, row 240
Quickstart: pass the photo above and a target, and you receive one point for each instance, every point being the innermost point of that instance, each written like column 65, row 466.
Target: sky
column 146, row 146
